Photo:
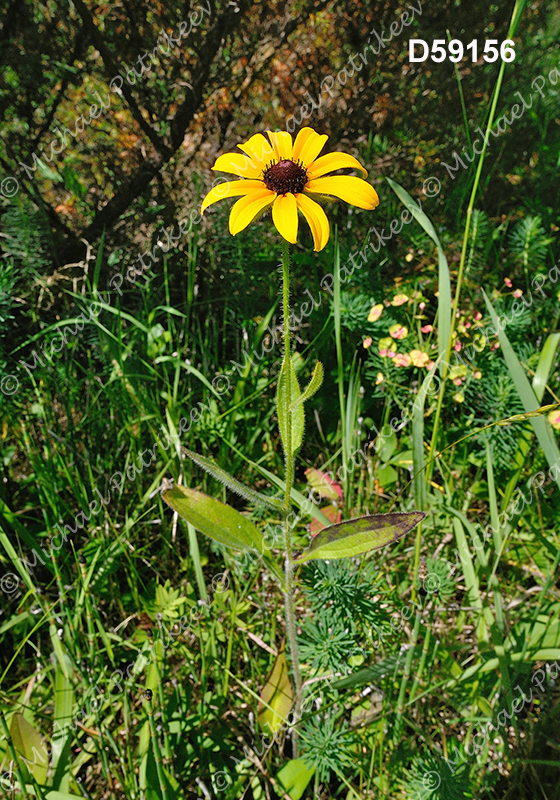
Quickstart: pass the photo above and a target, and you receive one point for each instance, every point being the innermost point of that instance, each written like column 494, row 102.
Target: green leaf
column 216, row 520
column 30, row 747
column 527, row 395
column 277, row 695
column 313, row 385
column 284, row 404
column 294, row 777
column 357, row 536
column 444, row 282
column 369, row 674
column 544, row 367
column 224, row 477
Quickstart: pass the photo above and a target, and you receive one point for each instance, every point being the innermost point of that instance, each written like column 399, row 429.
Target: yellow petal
column 260, row 150
column 316, row 218
column 352, row 190
column 230, row 189
column 282, row 143
column 285, row 217
column 246, row 209
column 333, row 161
column 238, row 165
column 308, row 145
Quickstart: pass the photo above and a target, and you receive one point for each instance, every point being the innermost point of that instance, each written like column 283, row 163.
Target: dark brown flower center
column 284, row 177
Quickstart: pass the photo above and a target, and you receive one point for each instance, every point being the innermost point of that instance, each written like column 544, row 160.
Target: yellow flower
column 399, row 299
column 282, row 174
column 418, row 358
column 375, row 312
column 380, row 378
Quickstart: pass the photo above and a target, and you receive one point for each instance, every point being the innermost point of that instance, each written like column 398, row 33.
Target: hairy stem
column 289, row 566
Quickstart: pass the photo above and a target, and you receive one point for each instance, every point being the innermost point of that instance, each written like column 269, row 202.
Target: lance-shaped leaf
column 217, row 520
column 30, row 747
column 357, row 536
column 277, row 695
column 284, row 404
column 236, row 486
column 312, row 386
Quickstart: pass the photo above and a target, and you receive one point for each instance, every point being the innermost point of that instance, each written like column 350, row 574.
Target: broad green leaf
column 294, row 777
column 216, row 520
column 386, row 475
column 30, row 747
column 284, row 404
column 313, row 385
column 357, row 536
column 277, row 695
column 526, row 394
column 63, row 720
column 224, row 477
column 444, row 282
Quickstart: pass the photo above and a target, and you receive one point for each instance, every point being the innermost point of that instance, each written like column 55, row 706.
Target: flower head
column 375, row 312
column 280, row 173
column 398, row 331
column 402, row 360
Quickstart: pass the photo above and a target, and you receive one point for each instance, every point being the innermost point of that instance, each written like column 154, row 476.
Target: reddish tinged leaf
column 332, row 513
column 357, row 536
column 324, row 484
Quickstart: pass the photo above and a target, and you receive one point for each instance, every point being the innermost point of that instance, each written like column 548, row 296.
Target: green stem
column 289, row 565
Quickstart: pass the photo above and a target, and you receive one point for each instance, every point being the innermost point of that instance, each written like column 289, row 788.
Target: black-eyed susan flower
column 283, row 174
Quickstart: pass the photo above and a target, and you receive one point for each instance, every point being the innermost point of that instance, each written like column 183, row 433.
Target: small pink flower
column 427, row 328
column 467, row 325
column 478, row 315
column 508, row 283
column 457, row 381
column 368, row 341
column 517, row 293
column 402, row 360
column 477, row 374
column 457, row 346
column 430, row 364
column 398, row 331
column 496, row 346
column 422, row 306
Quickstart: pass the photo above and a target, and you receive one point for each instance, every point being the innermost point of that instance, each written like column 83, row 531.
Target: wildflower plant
column 284, row 175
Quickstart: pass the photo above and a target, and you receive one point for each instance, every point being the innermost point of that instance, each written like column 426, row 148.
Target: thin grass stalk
column 289, row 566
column 516, row 15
